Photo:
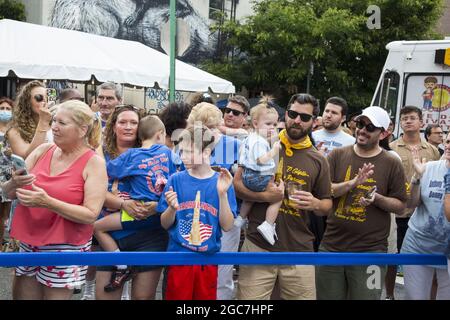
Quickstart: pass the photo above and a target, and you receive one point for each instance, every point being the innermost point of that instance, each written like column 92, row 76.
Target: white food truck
column 416, row 73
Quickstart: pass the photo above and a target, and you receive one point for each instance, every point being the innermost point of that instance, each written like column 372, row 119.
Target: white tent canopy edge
column 41, row 52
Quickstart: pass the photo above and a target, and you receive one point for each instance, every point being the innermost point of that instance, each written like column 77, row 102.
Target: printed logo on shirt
column 204, row 231
column 436, row 194
column 194, row 231
column 349, row 206
column 158, row 171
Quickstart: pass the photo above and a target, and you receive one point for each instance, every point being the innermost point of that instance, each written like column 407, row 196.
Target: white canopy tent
column 40, row 52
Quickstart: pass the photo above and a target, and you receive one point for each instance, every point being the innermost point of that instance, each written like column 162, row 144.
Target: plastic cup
column 292, row 188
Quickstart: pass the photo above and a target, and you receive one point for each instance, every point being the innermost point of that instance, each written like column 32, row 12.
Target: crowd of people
column 195, row 178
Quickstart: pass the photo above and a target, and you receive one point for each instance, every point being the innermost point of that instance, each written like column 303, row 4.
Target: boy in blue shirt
column 146, row 170
column 196, row 205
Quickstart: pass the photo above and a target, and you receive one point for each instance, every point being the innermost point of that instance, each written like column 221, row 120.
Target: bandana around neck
column 288, row 146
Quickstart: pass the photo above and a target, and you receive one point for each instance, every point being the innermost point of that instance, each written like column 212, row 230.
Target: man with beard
column 368, row 184
column 332, row 136
column 299, row 162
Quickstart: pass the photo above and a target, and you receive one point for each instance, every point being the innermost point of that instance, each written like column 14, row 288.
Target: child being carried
column 257, row 160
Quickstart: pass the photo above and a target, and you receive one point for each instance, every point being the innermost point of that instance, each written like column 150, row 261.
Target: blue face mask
column 5, row 116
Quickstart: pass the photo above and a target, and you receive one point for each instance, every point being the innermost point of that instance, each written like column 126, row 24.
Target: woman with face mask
column 6, row 108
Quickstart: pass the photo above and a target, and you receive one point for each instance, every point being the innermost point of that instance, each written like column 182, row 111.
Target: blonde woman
column 60, row 200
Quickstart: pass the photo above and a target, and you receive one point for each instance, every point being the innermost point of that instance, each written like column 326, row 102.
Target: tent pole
column 173, row 44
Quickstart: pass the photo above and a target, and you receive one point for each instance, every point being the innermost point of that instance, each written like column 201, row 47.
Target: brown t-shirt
column 352, row 227
column 309, row 168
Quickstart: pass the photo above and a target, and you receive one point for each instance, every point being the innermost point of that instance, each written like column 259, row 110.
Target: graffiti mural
column 138, row 20
column 159, row 98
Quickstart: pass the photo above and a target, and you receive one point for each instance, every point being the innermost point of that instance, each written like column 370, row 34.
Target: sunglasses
column 235, row 112
column 305, row 117
column 369, row 126
column 128, row 107
column 39, row 98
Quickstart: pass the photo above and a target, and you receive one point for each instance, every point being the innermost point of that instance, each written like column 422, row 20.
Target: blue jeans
column 254, row 181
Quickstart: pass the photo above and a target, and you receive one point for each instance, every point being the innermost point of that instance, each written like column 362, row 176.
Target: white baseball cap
column 378, row 116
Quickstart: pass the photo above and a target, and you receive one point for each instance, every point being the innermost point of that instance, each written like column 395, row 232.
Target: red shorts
column 191, row 283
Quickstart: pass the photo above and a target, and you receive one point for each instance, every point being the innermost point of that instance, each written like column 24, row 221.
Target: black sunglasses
column 369, row 126
column 39, row 98
column 305, row 117
column 235, row 112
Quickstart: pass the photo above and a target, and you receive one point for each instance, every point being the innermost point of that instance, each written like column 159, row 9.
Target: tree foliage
column 12, row 9
column 274, row 47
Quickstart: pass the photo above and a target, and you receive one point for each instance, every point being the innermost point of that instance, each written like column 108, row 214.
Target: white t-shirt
column 332, row 140
column 252, row 148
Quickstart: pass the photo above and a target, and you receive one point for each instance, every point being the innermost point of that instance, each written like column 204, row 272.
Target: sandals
column 118, row 278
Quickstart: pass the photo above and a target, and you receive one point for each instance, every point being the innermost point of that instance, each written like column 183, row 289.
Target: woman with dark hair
column 6, row 108
column 121, row 134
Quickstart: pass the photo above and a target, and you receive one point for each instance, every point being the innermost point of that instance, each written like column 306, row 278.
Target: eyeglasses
column 39, row 98
column 412, row 118
column 305, row 117
column 369, row 126
column 235, row 112
column 439, row 133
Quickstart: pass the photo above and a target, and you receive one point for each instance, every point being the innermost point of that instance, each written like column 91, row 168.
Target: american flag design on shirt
column 185, row 230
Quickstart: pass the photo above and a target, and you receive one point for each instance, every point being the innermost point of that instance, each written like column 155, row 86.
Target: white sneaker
column 88, row 297
column 126, row 291
column 89, row 290
column 268, row 232
column 240, row 222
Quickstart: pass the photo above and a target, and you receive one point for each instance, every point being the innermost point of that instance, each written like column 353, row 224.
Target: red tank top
column 40, row 226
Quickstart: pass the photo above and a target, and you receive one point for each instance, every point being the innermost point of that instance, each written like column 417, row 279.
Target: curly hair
column 110, row 144
column 23, row 120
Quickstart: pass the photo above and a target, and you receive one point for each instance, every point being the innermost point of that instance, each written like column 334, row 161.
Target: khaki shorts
column 257, row 282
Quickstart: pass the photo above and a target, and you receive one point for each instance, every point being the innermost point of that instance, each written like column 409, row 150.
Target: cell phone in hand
column 52, row 95
column 19, row 163
column 370, row 193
